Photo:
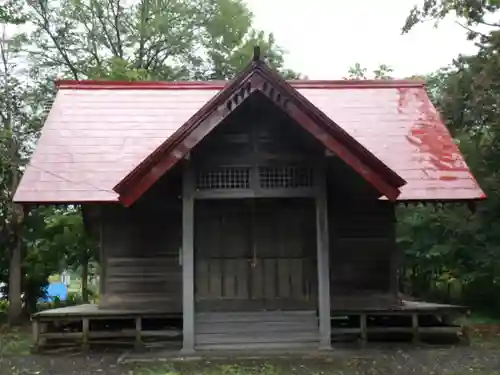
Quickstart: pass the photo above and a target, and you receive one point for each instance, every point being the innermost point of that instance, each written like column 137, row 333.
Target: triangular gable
column 258, row 77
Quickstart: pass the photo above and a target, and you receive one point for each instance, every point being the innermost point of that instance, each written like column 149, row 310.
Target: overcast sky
column 325, row 37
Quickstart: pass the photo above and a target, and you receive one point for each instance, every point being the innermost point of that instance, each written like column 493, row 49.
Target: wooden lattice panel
column 285, row 177
column 224, row 178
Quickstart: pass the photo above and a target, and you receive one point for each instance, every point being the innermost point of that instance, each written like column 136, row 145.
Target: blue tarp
column 55, row 291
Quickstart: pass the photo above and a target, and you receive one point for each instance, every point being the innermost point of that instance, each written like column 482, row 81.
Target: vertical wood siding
column 362, row 244
column 255, row 254
column 141, row 246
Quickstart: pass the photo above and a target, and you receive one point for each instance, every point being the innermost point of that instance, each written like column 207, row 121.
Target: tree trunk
column 14, row 232
column 85, row 278
column 15, row 302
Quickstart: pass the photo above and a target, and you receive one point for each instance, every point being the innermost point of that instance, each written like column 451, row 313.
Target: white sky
column 324, row 38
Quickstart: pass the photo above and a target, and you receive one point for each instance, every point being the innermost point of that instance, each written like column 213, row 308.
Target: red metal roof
column 258, row 77
column 97, row 132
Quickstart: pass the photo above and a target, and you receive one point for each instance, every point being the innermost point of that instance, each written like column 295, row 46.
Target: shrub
column 4, row 305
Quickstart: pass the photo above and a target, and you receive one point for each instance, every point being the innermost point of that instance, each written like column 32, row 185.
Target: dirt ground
column 449, row 361
column 481, row 357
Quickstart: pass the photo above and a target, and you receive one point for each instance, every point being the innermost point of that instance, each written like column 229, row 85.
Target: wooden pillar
column 395, row 258
column 103, row 255
column 323, row 261
column 188, row 260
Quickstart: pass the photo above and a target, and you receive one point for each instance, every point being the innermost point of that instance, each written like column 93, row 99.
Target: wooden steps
column 256, row 330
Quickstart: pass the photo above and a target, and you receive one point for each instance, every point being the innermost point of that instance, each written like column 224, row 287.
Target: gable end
column 258, row 77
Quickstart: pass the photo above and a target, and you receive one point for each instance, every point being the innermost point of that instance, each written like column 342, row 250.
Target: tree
column 358, row 72
column 11, row 12
column 468, row 97
column 19, row 122
column 472, row 12
column 146, row 39
column 64, row 234
column 11, row 215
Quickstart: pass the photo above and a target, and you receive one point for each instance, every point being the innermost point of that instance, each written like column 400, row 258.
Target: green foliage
column 145, row 39
column 476, row 318
column 11, row 12
column 117, row 69
column 53, row 239
column 451, row 247
column 4, row 304
column 474, row 12
column 65, row 235
column 19, row 115
column 358, row 72
column 73, row 299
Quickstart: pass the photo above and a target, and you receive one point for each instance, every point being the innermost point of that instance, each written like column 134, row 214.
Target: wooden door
column 255, row 254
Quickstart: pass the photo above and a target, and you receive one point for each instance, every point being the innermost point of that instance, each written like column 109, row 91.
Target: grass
column 447, row 360
column 284, row 367
column 485, row 330
column 479, row 318
column 292, row 367
column 14, row 341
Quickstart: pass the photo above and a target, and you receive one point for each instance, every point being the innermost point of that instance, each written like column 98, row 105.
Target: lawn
column 389, row 361
column 14, row 341
column 482, row 357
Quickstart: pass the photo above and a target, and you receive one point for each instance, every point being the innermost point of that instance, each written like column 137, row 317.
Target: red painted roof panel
column 96, row 133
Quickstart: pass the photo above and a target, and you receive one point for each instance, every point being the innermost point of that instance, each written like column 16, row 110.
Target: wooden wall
column 255, row 255
column 363, row 251
column 140, row 252
column 141, row 245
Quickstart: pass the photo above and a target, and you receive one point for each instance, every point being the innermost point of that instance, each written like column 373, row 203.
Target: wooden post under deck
column 323, row 262
column 188, row 260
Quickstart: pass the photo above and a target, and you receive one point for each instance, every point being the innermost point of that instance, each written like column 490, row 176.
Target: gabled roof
column 258, row 77
column 97, row 132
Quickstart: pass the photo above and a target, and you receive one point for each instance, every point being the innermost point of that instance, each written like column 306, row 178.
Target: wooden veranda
column 88, row 325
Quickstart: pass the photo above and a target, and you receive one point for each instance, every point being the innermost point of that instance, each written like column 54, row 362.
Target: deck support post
column 363, row 329
column 323, row 262
column 188, row 259
column 138, row 332
column 36, row 336
column 85, row 334
column 414, row 325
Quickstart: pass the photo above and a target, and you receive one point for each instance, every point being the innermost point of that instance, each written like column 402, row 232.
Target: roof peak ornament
column 256, row 53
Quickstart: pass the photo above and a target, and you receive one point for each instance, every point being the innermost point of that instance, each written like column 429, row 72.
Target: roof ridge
column 219, row 85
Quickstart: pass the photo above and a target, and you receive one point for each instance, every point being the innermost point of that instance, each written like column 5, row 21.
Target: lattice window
column 285, row 177
column 224, row 178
